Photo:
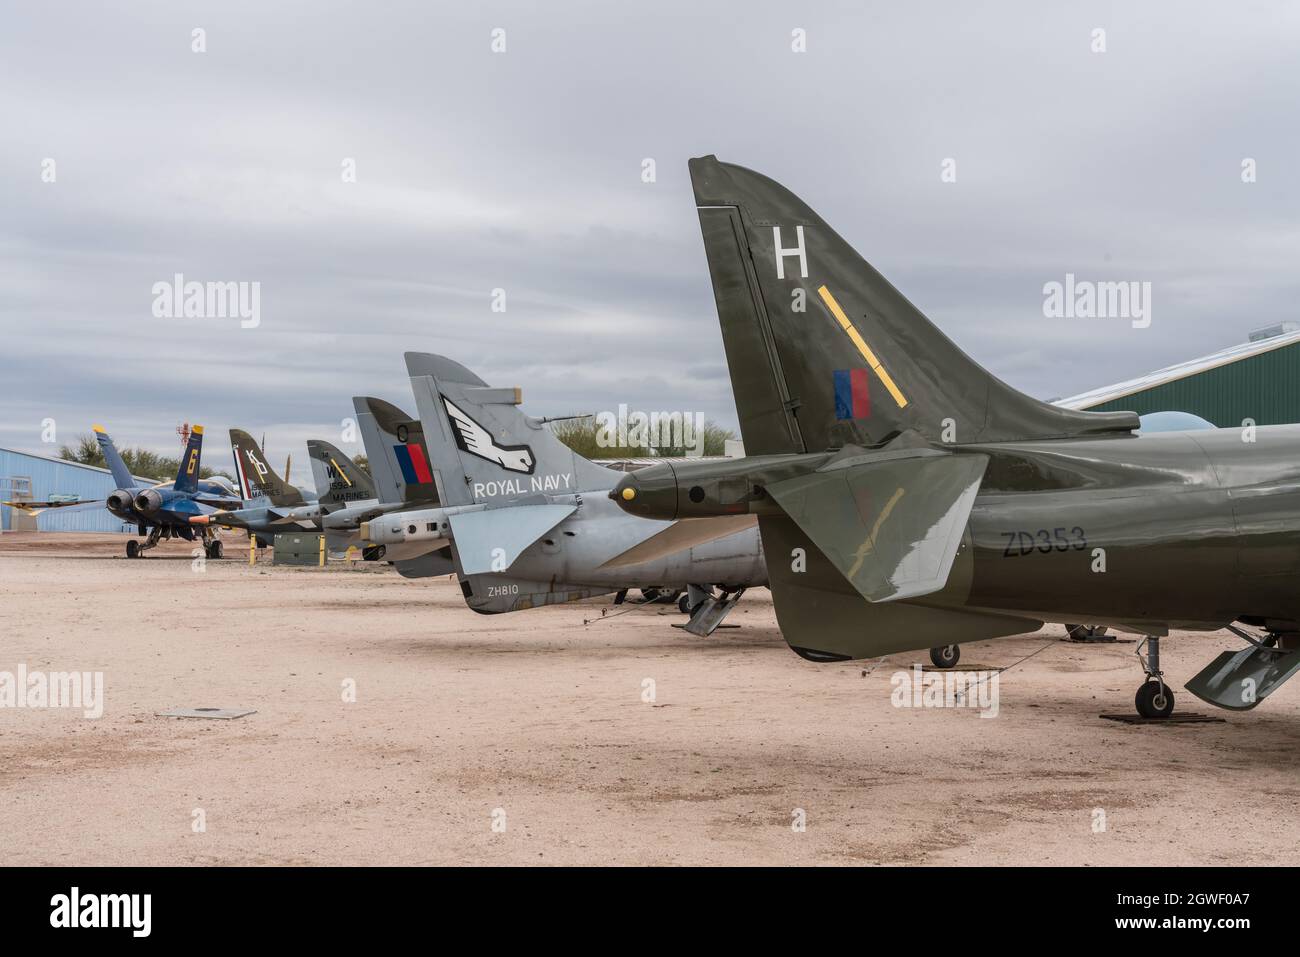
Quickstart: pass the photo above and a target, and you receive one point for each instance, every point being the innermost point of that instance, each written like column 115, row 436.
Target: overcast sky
column 521, row 170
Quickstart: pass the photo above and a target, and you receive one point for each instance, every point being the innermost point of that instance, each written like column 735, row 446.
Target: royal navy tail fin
column 484, row 449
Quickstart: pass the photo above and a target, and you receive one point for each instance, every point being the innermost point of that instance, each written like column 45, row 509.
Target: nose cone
column 648, row 493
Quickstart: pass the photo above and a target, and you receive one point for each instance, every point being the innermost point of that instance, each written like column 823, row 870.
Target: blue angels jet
column 164, row 510
column 159, row 510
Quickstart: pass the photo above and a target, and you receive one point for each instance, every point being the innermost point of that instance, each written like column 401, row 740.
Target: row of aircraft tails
column 894, row 496
column 470, row 486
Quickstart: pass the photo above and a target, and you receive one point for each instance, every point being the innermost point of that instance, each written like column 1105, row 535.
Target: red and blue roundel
column 852, row 394
column 414, row 466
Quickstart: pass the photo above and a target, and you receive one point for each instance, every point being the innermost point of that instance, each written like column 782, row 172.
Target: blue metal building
column 38, row 478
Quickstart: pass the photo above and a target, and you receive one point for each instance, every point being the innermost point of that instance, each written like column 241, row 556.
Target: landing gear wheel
column 945, row 656
column 215, row 550
column 684, row 604
column 133, row 549
column 1154, row 700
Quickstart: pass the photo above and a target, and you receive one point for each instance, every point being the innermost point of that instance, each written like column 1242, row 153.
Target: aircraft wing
column 683, row 534
column 890, row 527
column 35, row 508
column 219, row 501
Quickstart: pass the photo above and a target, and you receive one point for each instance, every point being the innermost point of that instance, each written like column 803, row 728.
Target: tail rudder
column 398, row 454
column 339, row 480
column 824, row 352
column 187, row 476
column 484, row 448
column 256, row 477
column 121, row 474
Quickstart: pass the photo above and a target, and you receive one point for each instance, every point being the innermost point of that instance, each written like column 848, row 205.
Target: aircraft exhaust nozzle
column 148, row 501
column 119, row 500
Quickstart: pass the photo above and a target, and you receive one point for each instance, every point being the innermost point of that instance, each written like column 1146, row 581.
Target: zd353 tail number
column 1044, row 540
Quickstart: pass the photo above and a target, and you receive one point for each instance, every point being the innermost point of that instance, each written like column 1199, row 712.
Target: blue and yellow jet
column 163, row 510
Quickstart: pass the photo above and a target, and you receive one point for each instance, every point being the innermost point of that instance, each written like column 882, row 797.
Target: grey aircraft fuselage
column 574, row 552
column 569, row 560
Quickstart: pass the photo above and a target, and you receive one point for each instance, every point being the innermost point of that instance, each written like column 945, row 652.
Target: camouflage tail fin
column 339, row 480
column 256, row 477
column 397, row 453
column 483, row 448
column 824, row 352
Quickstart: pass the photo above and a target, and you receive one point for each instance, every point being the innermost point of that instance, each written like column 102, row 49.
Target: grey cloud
column 522, row 171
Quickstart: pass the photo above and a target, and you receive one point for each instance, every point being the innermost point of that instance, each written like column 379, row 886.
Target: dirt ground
column 558, row 736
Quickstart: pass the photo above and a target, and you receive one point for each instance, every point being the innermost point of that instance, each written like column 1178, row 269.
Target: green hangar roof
column 1257, row 380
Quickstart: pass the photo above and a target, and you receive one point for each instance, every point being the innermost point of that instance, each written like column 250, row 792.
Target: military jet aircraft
column 907, row 499
column 269, row 504
column 344, row 498
column 403, row 479
column 348, row 495
column 165, row 510
column 528, row 521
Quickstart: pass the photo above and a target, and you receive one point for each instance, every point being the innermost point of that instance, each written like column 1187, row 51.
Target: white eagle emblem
column 476, row 440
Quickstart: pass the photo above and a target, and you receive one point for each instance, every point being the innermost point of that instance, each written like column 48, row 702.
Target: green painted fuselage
column 1174, row 529
column 1194, row 528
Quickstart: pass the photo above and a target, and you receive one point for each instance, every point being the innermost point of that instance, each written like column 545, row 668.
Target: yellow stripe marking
column 869, row 543
column 343, row 475
column 861, row 343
